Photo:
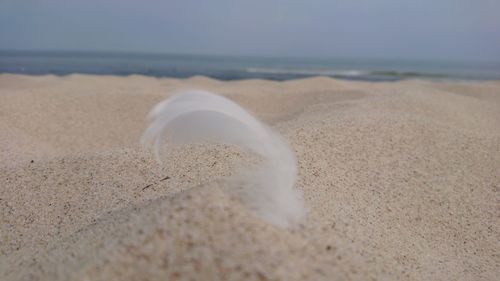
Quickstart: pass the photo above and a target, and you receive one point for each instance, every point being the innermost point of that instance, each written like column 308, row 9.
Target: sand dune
column 401, row 181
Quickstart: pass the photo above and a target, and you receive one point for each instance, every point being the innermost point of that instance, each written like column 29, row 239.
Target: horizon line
column 173, row 53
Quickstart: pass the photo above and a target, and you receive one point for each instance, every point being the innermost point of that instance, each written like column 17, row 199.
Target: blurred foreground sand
column 401, row 180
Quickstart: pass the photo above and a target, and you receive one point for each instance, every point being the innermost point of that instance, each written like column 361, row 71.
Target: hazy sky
column 413, row 29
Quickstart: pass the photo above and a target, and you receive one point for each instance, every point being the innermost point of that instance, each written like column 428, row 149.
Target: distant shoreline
column 443, row 80
column 230, row 68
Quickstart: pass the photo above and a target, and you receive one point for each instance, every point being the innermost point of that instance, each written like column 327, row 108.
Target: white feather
column 198, row 115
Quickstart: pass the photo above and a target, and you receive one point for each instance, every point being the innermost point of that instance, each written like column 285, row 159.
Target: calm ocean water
column 231, row 68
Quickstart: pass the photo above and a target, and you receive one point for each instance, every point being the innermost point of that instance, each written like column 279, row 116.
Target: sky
column 461, row 30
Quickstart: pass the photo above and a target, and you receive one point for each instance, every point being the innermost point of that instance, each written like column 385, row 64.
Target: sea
column 234, row 68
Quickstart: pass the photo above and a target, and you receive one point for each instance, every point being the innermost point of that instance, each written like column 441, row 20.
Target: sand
column 401, row 182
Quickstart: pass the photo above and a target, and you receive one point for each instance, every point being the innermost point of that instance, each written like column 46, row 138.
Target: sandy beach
column 401, row 182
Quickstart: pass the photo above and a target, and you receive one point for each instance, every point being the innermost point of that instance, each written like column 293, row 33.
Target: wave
column 353, row 74
column 325, row 72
